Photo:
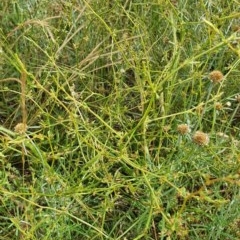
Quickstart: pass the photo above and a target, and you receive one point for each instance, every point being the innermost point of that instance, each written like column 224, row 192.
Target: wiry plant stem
column 24, row 110
column 23, row 97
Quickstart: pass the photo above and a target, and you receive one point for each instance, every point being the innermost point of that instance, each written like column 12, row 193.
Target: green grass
column 103, row 87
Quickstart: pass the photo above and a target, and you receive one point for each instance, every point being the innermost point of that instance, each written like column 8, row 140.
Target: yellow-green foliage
column 119, row 119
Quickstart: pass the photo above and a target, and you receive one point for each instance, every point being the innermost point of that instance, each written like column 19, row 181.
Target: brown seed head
column 183, row 129
column 166, row 128
column 20, row 128
column 200, row 138
column 219, row 106
column 216, row 76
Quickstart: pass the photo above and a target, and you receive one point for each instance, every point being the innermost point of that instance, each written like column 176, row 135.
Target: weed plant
column 119, row 119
